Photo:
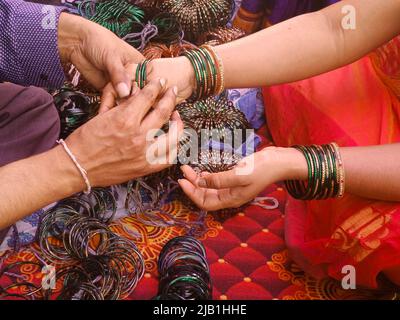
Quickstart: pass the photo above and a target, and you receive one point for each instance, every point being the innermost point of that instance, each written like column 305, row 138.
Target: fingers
column 190, row 174
column 161, row 111
column 222, row 180
column 108, row 98
column 119, row 78
column 164, row 149
column 139, row 104
column 206, row 199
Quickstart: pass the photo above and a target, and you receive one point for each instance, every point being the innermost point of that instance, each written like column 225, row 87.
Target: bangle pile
column 326, row 178
column 198, row 16
column 184, row 271
column 209, row 72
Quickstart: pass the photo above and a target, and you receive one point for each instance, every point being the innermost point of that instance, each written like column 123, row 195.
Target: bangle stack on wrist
column 208, row 69
column 325, row 174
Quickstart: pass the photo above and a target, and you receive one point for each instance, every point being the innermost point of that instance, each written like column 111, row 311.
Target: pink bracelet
column 81, row 170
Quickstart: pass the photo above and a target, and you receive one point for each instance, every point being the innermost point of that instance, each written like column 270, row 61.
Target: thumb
column 119, row 78
column 221, row 180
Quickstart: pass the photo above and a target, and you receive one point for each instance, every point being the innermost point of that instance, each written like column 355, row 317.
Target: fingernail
column 202, row 183
column 175, row 90
column 123, row 90
column 162, row 82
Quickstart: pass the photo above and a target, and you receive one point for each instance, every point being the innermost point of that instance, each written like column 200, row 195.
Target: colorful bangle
column 141, row 73
column 326, row 176
column 208, row 70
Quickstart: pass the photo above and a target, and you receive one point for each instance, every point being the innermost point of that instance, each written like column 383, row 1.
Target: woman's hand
column 98, row 54
column 114, row 147
column 178, row 73
column 242, row 184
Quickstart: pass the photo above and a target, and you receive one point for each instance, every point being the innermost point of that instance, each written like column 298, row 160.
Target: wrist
column 188, row 71
column 70, row 33
column 66, row 172
column 288, row 163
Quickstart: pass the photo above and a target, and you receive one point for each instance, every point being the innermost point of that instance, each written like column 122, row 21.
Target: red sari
column 358, row 105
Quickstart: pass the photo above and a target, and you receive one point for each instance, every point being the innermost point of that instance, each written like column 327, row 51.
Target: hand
column 98, row 54
column 250, row 177
column 178, row 73
column 113, row 147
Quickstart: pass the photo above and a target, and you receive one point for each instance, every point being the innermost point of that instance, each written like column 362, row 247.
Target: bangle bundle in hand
column 184, row 271
column 325, row 174
column 208, row 70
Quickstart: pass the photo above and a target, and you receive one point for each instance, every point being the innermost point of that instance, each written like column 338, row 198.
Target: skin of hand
column 285, row 53
column 113, row 146
column 98, row 54
column 178, row 72
column 233, row 188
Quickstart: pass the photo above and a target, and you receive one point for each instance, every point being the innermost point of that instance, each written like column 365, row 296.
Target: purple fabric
column 28, row 44
column 285, row 9
column 254, row 6
column 29, row 124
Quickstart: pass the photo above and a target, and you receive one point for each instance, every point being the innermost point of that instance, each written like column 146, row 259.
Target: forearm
column 33, row 183
column 372, row 172
column 309, row 45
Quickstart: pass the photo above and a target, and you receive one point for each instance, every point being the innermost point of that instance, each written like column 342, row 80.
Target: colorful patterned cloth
column 247, row 255
column 358, row 105
column 254, row 15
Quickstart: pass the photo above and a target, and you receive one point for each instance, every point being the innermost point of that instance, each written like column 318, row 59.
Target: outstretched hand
column 233, row 188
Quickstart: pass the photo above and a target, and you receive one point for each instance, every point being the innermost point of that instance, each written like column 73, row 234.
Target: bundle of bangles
column 92, row 261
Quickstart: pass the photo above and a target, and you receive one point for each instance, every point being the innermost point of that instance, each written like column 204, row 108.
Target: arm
column 309, row 44
column 33, row 183
column 371, row 172
column 112, row 148
column 293, row 50
column 35, row 39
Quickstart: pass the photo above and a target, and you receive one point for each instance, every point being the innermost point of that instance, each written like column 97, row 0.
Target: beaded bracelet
column 326, row 176
column 209, row 72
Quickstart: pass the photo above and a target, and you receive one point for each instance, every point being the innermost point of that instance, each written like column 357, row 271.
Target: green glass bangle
column 325, row 175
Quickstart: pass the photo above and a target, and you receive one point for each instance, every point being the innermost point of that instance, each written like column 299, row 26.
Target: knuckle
column 138, row 143
column 163, row 112
column 150, row 93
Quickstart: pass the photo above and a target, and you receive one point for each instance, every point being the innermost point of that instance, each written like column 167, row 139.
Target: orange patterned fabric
column 357, row 105
column 247, row 255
